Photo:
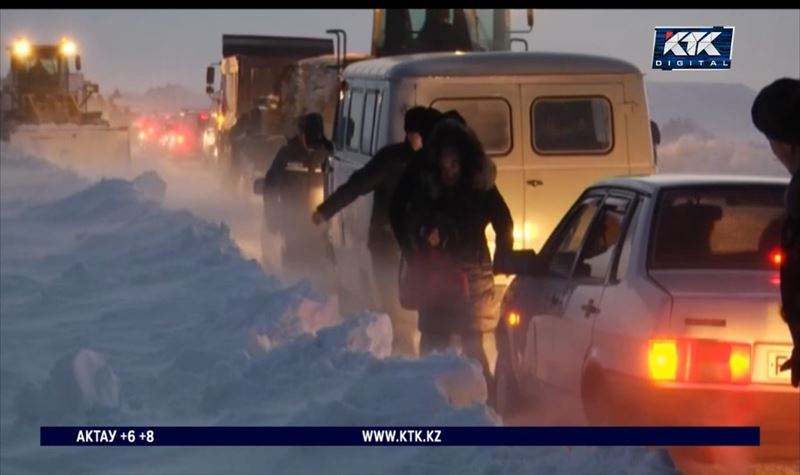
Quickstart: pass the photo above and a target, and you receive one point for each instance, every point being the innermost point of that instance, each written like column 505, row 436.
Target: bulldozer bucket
column 76, row 146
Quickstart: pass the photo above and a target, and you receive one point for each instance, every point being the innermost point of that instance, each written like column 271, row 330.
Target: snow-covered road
column 119, row 308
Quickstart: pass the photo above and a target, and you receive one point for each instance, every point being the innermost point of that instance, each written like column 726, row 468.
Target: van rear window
column 490, row 118
column 572, row 125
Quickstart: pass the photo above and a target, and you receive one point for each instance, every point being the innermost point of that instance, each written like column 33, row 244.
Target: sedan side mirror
column 518, row 262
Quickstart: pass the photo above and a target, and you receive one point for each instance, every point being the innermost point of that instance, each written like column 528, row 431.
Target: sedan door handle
column 534, row 183
column 590, row 308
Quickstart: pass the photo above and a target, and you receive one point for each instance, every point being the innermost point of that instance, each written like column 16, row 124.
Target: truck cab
column 425, row 30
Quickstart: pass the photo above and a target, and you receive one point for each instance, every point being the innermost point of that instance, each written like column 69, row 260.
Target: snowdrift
column 118, row 311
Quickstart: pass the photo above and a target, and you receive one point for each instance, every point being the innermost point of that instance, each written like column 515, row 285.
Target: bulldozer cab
column 43, row 71
column 41, row 109
column 408, row 31
column 40, row 83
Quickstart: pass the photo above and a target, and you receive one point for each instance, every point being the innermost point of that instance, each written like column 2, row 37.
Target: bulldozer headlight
column 22, row 48
column 68, row 48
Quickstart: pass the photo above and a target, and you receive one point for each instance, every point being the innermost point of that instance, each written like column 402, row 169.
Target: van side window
column 340, row 132
column 369, row 122
column 376, row 127
column 572, row 125
column 490, row 118
column 356, row 120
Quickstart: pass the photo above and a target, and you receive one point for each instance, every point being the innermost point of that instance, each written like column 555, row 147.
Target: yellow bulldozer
column 45, row 108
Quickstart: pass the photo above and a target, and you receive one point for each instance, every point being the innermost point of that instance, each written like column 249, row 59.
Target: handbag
column 430, row 278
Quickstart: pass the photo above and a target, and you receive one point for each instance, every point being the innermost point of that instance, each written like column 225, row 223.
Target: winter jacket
column 287, row 192
column 413, row 174
column 381, row 175
column 460, row 214
column 790, row 270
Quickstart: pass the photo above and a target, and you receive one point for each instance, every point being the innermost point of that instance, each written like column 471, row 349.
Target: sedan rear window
column 735, row 227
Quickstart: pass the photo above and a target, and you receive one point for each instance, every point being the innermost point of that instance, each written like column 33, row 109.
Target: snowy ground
column 118, row 309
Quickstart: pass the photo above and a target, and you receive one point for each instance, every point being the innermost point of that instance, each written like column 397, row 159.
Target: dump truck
column 45, row 108
column 252, row 70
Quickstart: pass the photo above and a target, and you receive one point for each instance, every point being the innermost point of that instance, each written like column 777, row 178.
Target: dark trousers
column 385, row 266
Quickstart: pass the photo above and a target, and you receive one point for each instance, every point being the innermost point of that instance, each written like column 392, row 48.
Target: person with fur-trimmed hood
column 448, row 211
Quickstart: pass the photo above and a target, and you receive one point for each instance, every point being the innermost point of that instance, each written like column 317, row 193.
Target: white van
column 552, row 123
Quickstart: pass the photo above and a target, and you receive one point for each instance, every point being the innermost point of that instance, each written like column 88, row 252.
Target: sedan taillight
column 700, row 361
column 663, row 360
column 776, row 257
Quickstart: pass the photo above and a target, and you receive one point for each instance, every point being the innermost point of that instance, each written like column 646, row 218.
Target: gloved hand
column 793, row 364
column 318, row 218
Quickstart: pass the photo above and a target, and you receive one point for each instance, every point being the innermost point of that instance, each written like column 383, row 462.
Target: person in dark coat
column 448, row 210
column 408, row 180
column 776, row 113
column 292, row 187
column 381, row 175
column 308, row 148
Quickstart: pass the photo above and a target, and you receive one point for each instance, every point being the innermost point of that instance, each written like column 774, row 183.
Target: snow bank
column 117, row 311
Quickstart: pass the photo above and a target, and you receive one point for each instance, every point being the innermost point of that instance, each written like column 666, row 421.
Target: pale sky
column 137, row 49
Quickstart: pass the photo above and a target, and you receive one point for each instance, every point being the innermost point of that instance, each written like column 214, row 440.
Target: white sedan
column 656, row 300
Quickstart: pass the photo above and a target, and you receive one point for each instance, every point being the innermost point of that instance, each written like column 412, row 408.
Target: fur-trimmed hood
column 486, row 178
column 478, row 169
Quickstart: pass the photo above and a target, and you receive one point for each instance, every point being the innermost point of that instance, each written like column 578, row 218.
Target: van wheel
column 507, row 399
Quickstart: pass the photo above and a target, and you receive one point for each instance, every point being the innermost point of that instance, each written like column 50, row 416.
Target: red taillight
column 699, row 361
column 776, row 257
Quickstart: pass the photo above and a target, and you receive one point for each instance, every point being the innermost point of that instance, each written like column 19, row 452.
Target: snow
column 119, row 310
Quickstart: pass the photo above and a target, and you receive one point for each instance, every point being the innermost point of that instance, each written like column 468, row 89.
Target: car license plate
column 775, row 359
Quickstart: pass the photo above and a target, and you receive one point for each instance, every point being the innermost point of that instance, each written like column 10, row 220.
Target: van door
column 572, row 136
column 349, row 229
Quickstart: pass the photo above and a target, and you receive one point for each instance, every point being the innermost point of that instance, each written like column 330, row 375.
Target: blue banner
column 693, row 48
column 354, row 436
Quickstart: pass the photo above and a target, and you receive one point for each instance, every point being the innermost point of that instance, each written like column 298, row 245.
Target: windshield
column 736, row 227
column 405, row 31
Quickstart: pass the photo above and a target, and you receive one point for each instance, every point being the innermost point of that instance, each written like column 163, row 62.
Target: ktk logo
column 696, row 43
column 693, row 48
